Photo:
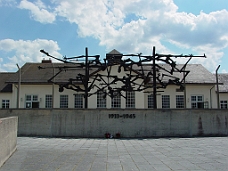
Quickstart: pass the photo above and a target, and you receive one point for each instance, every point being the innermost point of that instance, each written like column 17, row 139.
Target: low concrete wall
column 8, row 137
column 129, row 123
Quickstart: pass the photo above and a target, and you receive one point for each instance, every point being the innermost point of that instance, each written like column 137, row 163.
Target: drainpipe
column 217, row 87
column 211, row 97
column 19, row 86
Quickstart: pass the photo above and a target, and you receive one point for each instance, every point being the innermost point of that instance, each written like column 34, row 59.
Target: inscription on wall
column 125, row 116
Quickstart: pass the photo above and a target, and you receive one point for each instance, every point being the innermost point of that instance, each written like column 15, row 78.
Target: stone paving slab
column 56, row 154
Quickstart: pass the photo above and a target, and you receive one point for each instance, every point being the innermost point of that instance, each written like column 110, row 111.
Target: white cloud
column 27, row 51
column 7, row 2
column 38, row 11
column 224, row 71
column 155, row 21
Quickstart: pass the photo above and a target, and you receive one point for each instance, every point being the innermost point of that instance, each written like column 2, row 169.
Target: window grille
column 165, row 101
column 63, row 101
column 179, row 101
column 101, row 99
column 48, row 101
column 197, row 101
column 150, row 99
column 116, row 101
column 130, row 99
column 223, row 104
column 31, row 101
column 78, row 101
column 5, row 104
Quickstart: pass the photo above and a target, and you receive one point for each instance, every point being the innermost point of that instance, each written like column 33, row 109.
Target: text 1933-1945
column 125, row 116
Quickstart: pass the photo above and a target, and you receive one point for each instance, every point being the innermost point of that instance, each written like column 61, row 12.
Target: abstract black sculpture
column 154, row 75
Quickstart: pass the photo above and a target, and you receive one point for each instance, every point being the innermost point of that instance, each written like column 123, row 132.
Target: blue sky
column 66, row 27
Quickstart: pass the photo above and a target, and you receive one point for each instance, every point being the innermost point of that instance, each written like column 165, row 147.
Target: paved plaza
column 55, row 154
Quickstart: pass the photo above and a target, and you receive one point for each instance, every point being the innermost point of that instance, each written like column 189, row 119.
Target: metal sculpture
column 156, row 77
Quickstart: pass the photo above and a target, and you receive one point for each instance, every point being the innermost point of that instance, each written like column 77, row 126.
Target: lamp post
column 19, row 86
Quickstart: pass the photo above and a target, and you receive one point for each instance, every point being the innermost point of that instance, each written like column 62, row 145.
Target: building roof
column 41, row 73
column 30, row 73
column 4, row 86
column 224, row 79
column 197, row 75
column 114, row 52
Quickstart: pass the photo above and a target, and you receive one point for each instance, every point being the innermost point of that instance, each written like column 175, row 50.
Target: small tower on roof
column 114, row 57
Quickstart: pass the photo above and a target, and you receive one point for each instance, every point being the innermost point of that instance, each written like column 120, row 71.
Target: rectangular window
column 48, row 101
column 165, row 101
column 150, row 99
column 31, row 101
column 197, row 101
column 101, row 99
column 130, row 99
column 179, row 101
column 78, row 100
column 223, row 104
column 116, row 101
column 63, row 101
column 5, row 104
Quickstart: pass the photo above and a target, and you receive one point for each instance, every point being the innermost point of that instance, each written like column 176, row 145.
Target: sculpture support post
column 19, row 86
column 86, row 77
column 154, row 81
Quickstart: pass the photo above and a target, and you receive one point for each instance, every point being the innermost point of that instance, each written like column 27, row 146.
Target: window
column 5, row 104
column 101, row 99
column 197, row 101
column 116, row 101
column 179, row 101
column 63, row 101
column 130, row 99
column 31, row 101
column 165, row 101
column 150, row 99
column 48, row 101
column 223, row 104
column 78, row 100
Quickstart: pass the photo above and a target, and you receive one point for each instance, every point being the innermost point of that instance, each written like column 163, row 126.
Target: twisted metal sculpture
column 137, row 77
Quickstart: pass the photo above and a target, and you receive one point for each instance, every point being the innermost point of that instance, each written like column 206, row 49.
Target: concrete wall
column 130, row 123
column 8, row 137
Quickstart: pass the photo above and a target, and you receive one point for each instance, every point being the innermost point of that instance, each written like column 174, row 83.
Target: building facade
column 39, row 85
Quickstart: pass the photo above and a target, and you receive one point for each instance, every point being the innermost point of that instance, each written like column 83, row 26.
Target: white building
column 37, row 91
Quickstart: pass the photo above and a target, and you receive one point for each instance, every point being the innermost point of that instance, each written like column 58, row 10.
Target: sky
column 67, row 27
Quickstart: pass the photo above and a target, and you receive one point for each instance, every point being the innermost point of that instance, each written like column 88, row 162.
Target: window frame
column 179, row 101
column 197, row 101
column 48, row 101
column 165, row 101
column 101, row 101
column 31, row 101
column 64, row 101
column 130, row 99
column 78, row 101
column 150, row 101
column 223, row 104
column 5, row 104
column 116, row 101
